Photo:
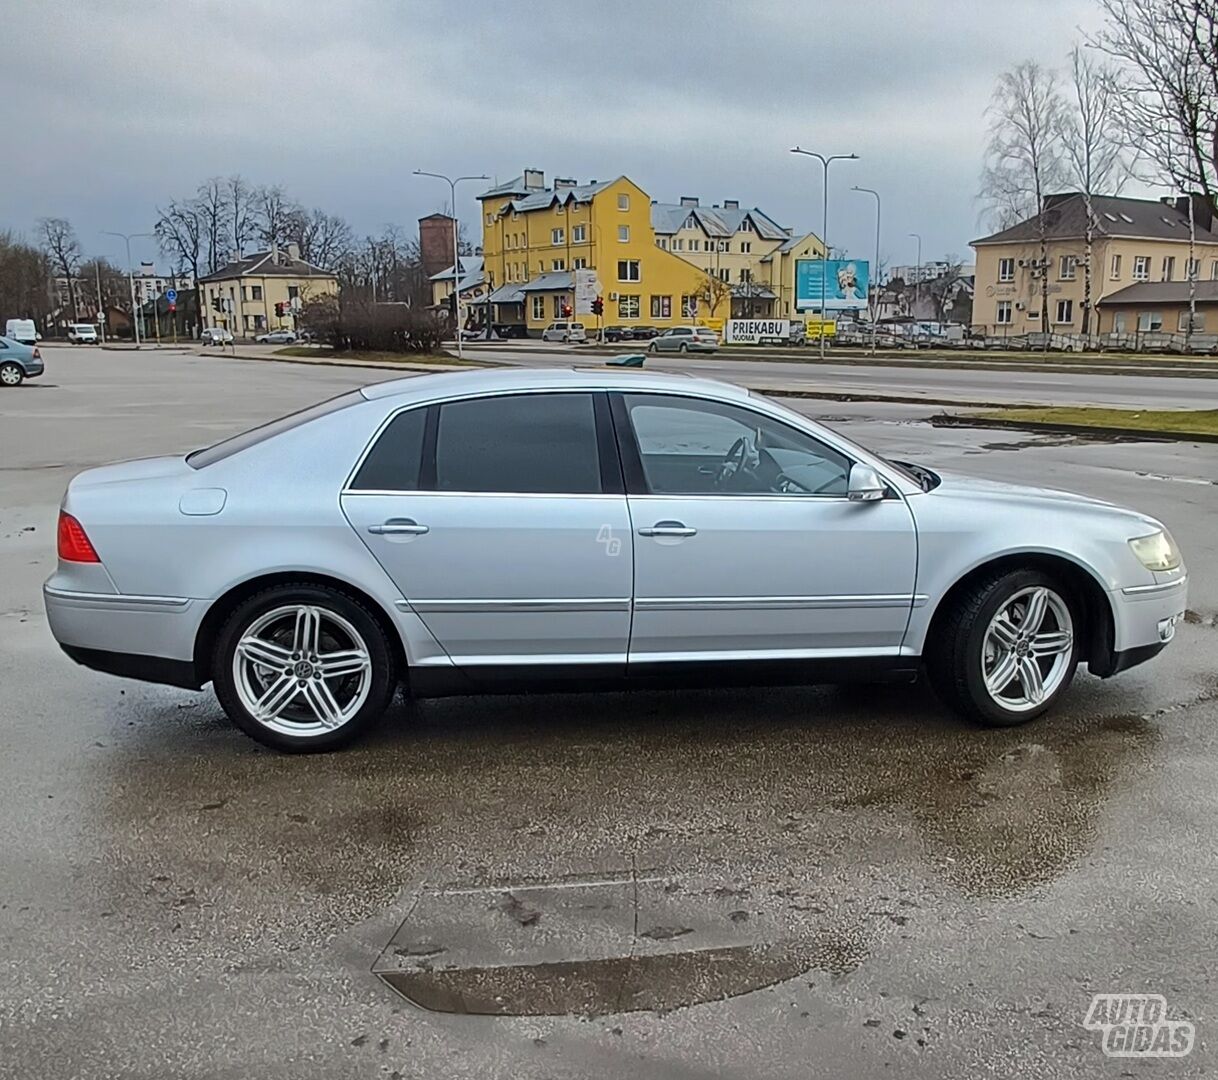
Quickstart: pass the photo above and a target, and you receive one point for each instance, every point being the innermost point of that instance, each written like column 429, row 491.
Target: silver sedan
column 513, row 529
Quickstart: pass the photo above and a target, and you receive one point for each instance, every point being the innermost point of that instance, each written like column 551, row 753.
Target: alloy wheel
column 1027, row 650
column 302, row 670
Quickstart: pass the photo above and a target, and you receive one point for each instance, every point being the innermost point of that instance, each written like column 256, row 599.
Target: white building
column 928, row 271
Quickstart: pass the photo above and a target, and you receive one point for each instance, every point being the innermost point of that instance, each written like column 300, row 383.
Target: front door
column 504, row 526
column 746, row 546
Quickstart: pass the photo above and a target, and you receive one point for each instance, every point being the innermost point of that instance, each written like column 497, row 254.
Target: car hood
column 996, row 492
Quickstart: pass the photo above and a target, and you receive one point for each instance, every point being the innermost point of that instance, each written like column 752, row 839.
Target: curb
column 1096, row 431
column 384, row 365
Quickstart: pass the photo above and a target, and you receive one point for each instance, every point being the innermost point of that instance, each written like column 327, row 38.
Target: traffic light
column 598, row 306
column 216, row 304
column 566, row 311
column 279, row 310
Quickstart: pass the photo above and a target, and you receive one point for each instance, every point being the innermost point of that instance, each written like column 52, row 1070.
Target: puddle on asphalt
column 608, row 946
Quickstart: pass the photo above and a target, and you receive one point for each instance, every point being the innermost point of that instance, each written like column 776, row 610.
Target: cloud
column 135, row 103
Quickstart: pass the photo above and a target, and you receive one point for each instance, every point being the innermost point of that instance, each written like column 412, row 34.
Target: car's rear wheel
column 303, row 668
column 11, row 374
column 683, row 347
column 1009, row 648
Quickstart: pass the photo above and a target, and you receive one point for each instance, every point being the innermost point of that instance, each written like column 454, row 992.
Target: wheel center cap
column 1021, row 648
column 303, row 669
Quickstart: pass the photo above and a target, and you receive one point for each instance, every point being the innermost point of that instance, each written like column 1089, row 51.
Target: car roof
column 455, row 383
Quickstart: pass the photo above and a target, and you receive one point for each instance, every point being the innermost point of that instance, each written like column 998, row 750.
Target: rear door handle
column 668, row 528
column 397, row 527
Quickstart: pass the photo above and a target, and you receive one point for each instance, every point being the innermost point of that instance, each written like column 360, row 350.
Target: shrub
column 357, row 325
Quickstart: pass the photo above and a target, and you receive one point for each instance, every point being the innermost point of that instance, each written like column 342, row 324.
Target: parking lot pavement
column 788, row 883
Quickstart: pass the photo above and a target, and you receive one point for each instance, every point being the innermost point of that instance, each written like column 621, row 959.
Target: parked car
column 564, row 331
column 217, row 335
column 277, row 337
column 686, row 339
column 310, row 565
column 18, row 362
column 22, row 330
column 82, row 334
column 618, row 333
column 644, row 333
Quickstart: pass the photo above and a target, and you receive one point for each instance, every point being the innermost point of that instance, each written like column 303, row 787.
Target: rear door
column 503, row 520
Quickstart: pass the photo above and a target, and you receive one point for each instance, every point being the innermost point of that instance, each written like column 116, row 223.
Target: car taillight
column 74, row 545
column 37, row 354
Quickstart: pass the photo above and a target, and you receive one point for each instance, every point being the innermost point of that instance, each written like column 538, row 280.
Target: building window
column 662, row 242
column 628, row 270
column 689, row 307
column 556, row 236
column 746, row 225
column 745, row 247
column 256, row 291
column 1118, row 323
column 558, row 264
column 579, row 264
column 244, row 298
column 1066, row 266
column 1115, row 268
column 539, row 307
column 725, row 273
column 1150, row 321
column 695, row 245
column 723, row 245
column 746, row 274
column 1141, row 268
column 628, row 306
column 1198, row 322
column 1006, row 269
column 1065, row 311
column 293, row 292
column 1169, row 267
column 661, row 307
column 1214, row 270
column 1004, row 316
column 623, row 201
column 579, row 233
column 679, row 245
column 623, row 234
column 1194, row 269
column 560, row 302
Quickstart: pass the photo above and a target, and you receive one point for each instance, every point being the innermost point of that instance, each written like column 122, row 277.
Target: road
column 885, row 890
column 948, row 384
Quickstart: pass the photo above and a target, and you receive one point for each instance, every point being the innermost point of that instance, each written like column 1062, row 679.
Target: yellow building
column 248, row 290
column 534, row 237
column 1135, row 240
column 744, row 248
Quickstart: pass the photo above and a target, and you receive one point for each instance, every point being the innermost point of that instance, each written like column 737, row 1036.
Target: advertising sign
column 818, row 328
column 755, row 331
column 844, row 281
column 586, row 290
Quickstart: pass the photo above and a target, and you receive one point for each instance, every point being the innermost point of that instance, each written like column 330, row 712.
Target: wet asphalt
column 789, row 883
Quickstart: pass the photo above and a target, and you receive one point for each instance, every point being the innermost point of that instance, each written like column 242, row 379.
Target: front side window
column 695, row 447
column 524, row 443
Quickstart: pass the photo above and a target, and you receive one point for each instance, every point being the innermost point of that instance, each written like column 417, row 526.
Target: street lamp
column 824, row 228
column 452, row 187
column 875, row 269
column 127, row 238
column 917, row 276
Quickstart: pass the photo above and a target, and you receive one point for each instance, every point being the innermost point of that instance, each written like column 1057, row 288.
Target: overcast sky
column 110, row 107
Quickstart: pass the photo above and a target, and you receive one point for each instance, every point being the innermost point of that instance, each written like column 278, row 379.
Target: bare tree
column 23, row 280
column 1166, row 52
column 63, row 250
column 1093, row 148
column 1023, row 156
column 276, row 217
column 180, row 231
column 213, row 209
column 239, row 202
column 713, row 292
column 103, row 285
column 324, row 239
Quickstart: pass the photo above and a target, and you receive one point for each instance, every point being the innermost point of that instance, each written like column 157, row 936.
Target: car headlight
column 1157, row 551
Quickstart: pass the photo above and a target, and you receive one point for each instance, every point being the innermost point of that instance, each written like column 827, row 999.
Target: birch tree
column 1024, row 154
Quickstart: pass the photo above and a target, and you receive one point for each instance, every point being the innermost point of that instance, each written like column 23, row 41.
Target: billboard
column 755, row 331
column 845, row 283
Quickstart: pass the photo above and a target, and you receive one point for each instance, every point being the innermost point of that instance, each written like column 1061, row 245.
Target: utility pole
column 824, row 230
column 917, row 276
column 875, row 269
column 101, row 304
column 127, row 238
column 1192, row 274
column 452, row 187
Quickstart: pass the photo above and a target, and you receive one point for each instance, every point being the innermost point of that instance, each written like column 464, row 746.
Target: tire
column 652, row 348
column 683, row 347
column 11, row 374
column 966, row 662
column 270, row 628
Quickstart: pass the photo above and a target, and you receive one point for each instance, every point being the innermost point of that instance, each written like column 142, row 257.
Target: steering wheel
column 733, row 461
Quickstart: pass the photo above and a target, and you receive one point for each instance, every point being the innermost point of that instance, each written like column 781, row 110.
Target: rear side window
column 200, row 459
column 394, row 462
column 527, row 443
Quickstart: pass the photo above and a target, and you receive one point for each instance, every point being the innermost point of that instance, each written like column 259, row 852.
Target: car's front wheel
column 11, row 374
column 1009, row 648
column 303, row 668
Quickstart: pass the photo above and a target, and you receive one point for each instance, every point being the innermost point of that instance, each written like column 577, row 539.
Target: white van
column 22, row 330
column 82, row 333
column 564, row 331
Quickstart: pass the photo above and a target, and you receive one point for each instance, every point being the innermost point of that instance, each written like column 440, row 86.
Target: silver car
column 18, row 362
column 686, row 339
column 510, row 528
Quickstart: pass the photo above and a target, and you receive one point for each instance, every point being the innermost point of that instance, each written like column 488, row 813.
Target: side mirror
column 865, row 484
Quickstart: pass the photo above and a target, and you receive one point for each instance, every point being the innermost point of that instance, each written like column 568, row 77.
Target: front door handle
column 397, row 527
column 668, row 528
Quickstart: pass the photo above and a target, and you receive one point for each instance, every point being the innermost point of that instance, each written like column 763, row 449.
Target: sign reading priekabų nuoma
column 753, row 331
column 843, row 283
